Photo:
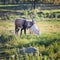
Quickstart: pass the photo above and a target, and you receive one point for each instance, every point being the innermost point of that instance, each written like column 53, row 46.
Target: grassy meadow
column 47, row 44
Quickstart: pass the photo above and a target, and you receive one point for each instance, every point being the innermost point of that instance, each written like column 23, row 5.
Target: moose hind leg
column 21, row 32
column 16, row 30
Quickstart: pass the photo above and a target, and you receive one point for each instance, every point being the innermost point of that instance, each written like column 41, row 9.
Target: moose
column 23, row 24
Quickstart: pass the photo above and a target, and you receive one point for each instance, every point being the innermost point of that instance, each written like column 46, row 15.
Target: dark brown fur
column 23, row 25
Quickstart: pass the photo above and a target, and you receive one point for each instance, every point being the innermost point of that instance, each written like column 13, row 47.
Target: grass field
column 48, row 44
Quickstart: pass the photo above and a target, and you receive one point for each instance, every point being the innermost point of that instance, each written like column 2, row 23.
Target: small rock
column 28, row 50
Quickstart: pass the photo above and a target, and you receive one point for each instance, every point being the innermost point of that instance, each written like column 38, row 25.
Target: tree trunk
column 34, row 4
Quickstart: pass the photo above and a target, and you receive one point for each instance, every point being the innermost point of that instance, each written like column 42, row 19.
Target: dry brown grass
column 44, row 27
column 48, row 27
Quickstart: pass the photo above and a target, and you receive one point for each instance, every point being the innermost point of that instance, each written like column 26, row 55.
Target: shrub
column 58, row 16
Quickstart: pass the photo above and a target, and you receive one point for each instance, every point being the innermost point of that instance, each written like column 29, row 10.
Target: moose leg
column 21, row 32
column 25, row 31
column 16, row 30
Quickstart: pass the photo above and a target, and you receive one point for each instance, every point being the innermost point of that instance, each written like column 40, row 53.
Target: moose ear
column 33, row 21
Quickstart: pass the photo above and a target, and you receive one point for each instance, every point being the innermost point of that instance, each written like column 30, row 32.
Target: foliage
column 29, row 1
column 36, row 14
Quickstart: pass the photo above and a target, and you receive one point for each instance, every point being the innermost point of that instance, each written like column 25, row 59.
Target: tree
column 17, row 1
column 34, row 3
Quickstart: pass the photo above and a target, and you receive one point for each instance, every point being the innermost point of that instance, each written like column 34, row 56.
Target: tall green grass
column 48, row 45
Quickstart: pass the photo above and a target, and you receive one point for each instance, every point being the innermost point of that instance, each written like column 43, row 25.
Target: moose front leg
column 25, row 31
column 21, row 32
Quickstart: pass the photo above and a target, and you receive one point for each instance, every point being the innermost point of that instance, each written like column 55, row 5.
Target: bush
column 58, row 16
column 6, row 37
column 40, row 14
